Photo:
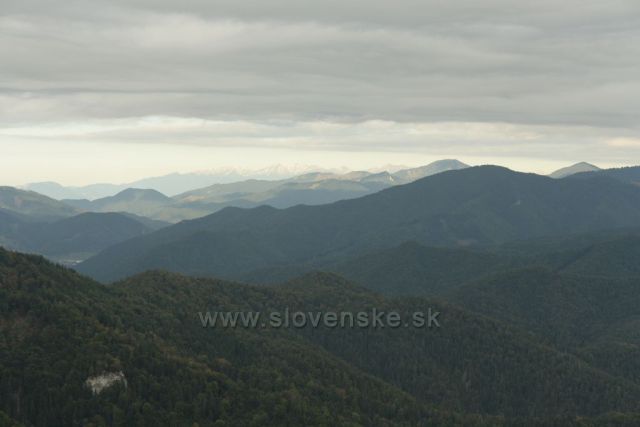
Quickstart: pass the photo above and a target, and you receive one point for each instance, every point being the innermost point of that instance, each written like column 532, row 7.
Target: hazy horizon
column 97, row 91
column 228, row 174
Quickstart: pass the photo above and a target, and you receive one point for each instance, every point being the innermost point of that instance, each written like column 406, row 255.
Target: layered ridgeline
column 31, row 222
column 34, row 206
column 142, row 202
column 414, row 269
column 73, row 239
column 580, row 293
column 184, row 183
column 171, row 184
column 309, row 189
column 594, row 317
column 629, row 175
column 474, row 206
column 74, row 352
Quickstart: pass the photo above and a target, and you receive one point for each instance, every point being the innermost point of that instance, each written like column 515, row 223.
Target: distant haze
column 239, row 183
column 114, row 91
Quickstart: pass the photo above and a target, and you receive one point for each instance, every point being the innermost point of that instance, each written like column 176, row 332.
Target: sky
column 113, row 91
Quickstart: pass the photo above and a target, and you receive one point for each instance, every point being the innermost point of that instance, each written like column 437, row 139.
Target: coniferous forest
column 286, row 213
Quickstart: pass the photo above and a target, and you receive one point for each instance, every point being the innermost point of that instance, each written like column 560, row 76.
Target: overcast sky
column 122, row 89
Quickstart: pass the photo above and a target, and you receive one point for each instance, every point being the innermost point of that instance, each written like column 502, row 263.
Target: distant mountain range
column 147, row 203
column 154, row 209
column 469, row 207
column 32, row 205
column 178, row 183
column 310, row 189
column 171, row 184
column 32, row 222
column 313, row 188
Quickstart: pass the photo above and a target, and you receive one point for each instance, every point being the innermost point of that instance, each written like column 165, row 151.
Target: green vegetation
column 629, row 175
column 413, row 269
column 58, row 329
column 469, row 207
column 536, row 282
column 71, row 239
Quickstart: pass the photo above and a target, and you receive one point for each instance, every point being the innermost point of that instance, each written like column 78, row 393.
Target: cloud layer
column 514, row 75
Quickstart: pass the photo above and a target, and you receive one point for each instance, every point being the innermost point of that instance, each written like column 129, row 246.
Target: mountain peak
column 140, row 193
column 574, row 169
column 408, row 175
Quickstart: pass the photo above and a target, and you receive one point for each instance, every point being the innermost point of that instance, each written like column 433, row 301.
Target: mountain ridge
column 474, row 371
column 474, row 206
column 33, row 205
column 70, row 240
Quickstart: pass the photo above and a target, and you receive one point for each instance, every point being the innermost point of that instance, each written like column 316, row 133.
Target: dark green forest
column 535, row 282
column 58, row 329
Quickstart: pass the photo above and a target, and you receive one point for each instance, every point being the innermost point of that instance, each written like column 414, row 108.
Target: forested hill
column 474, row 206
column 626, row 174
column 59, row 329
column 33, row 205
column 71, row 239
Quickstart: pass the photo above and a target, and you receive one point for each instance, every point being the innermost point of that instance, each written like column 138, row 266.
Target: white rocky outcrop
column 100, row 382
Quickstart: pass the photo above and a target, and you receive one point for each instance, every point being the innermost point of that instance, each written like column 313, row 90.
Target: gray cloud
column 536, row 64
